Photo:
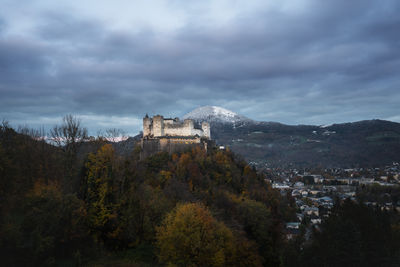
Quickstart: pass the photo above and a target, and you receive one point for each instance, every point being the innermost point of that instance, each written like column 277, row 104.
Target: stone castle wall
column 172, row 135
column 172, row 145
column 159, row 127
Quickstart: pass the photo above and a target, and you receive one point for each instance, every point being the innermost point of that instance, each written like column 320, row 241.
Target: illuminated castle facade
column 172, row 135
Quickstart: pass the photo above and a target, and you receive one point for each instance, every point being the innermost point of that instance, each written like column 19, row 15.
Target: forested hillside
column 372, row 143
column 84, row 204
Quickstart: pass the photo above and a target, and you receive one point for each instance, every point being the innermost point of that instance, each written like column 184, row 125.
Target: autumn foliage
column 86, row 205
column 190, row 236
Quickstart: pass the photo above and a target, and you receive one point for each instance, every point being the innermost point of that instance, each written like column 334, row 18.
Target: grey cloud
column 67, row 30
column 21, row 56
column 2, row 25
column 308, row 67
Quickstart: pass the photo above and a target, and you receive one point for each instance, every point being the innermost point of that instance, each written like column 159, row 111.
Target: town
column 316, row 191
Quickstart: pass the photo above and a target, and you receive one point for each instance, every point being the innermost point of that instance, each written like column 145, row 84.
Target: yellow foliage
column 247, row 170
column 165, row 177
column 166, row 174
column 100, row 186
column 184, row 159
column 190, row 236
column 222, row 159
column 175, row 157
column 40, row 187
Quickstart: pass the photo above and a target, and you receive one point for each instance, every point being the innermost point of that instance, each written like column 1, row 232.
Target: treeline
column 81, row 203
column 355, row 235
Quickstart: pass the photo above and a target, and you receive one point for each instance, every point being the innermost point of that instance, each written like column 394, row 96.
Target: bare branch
column 69, row 133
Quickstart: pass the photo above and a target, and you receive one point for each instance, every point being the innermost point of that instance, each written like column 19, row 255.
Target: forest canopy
column 84, row 203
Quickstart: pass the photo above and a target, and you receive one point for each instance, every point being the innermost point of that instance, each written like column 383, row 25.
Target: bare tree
column 69, row 134
column 4, row 124
column 115, row 135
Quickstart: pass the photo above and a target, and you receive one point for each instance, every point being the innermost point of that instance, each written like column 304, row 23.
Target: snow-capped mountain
column 215, row 114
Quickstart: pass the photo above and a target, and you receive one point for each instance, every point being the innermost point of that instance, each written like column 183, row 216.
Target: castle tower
column 158, row 126
column 205, row 126
column 146, row 126
column 188, row 127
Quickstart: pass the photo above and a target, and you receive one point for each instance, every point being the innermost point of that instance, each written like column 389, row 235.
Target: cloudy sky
column 110, row 62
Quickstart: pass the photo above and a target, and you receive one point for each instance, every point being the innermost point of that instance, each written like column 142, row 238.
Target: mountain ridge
column 366, row 143
column 215, row 114
column 372, row 142
column 220, row 114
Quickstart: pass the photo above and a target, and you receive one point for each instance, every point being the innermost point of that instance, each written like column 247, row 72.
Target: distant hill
column 363, row 143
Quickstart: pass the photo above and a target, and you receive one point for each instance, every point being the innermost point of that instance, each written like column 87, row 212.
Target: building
column 172, row 135
column 158, row 127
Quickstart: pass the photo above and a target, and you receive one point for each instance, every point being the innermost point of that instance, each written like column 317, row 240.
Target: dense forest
column 77, row 202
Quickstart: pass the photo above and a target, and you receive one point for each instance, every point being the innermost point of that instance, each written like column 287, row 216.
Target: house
column 325, row 199
column 299, row 184
column 293, row 225
column 315, row 221
column 311, row 211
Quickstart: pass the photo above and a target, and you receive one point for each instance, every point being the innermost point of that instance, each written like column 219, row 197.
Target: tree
column 52, row 226
column 5, row 164
column 258, row 224
column 190, row 236
column 69, row 134
column 354, row 235
column 99, row 197
column 141, row 210
column 113, row 135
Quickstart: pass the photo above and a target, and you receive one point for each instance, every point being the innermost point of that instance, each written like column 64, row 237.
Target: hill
column 76, row 207
column 366, row 143
column 369, row 143
column 91, row 206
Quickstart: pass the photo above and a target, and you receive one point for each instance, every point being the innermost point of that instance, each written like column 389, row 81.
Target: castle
column 172, row 135
column 158, row 126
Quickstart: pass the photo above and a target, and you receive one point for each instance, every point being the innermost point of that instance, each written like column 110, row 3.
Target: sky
column 111, row 62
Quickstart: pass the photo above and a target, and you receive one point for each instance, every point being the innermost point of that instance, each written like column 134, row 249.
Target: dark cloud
column 2, row 25
column 65, row 28
column 333, row 61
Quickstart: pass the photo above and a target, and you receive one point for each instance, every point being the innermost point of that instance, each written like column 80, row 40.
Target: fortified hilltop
column 172, row 135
